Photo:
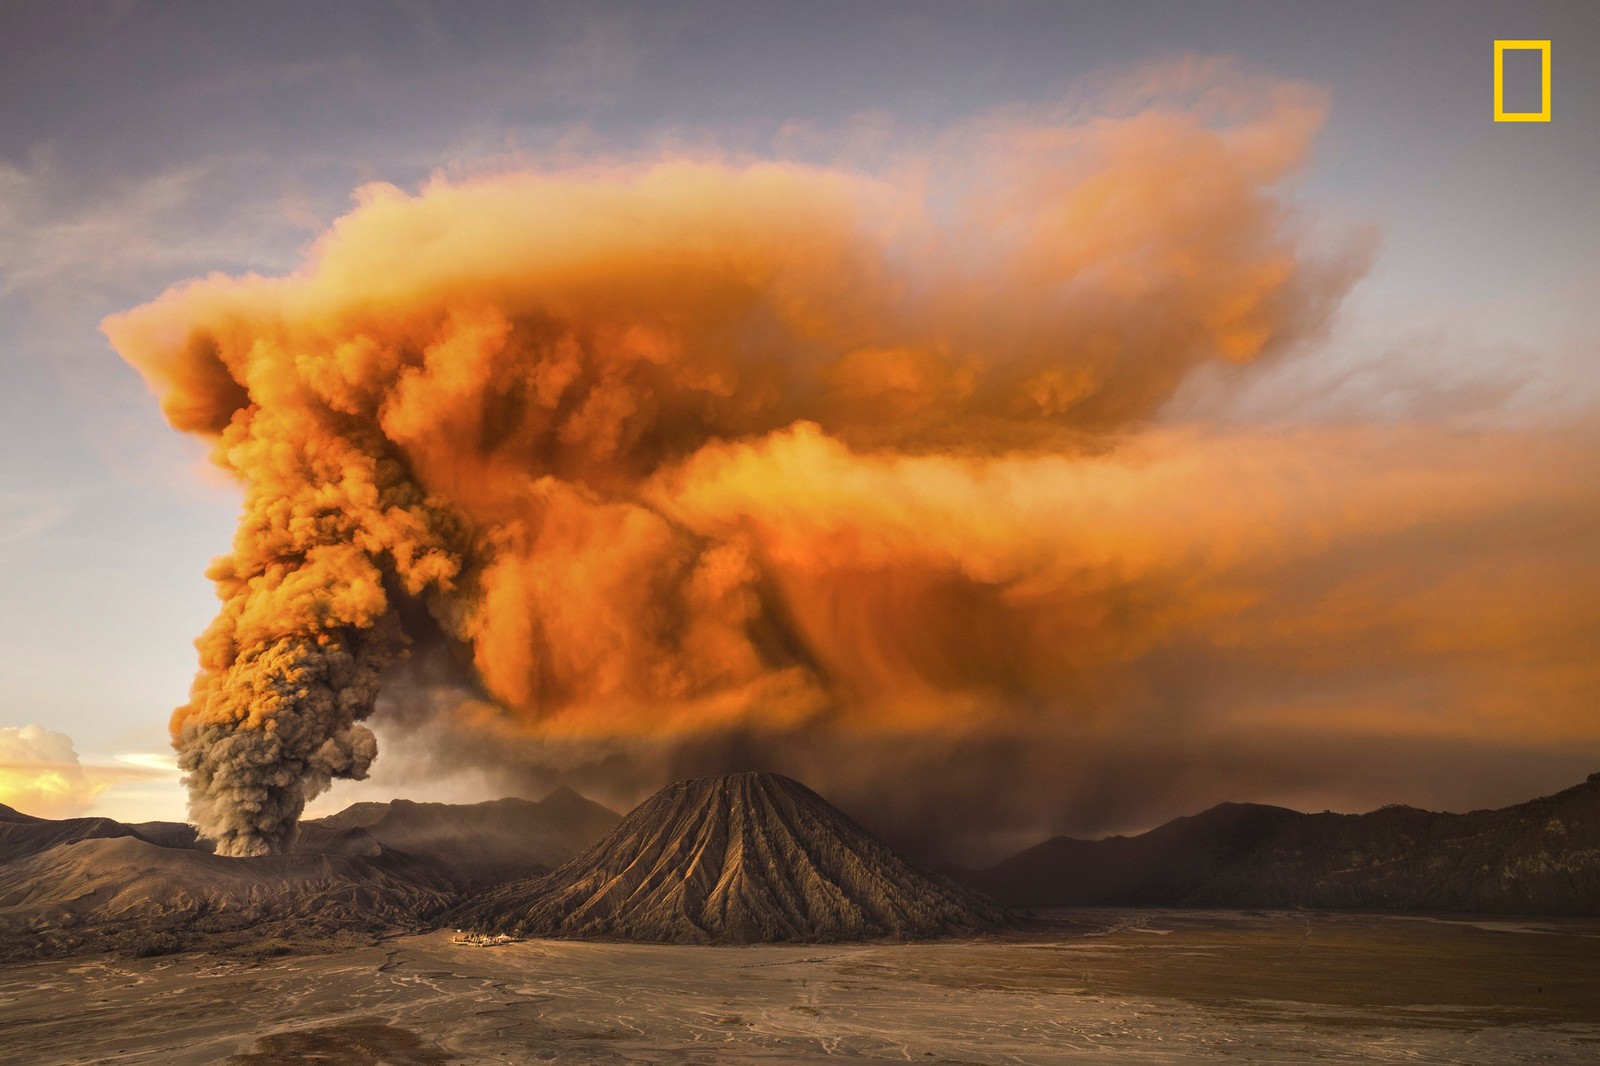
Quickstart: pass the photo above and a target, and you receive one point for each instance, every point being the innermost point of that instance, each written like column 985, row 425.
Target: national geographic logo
column 1522, row 80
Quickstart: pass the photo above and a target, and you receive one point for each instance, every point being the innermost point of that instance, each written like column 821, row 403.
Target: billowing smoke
column 695, row 447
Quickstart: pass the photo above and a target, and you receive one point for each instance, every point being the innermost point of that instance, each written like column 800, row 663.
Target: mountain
column 738, row 859
column 22, row 835
column 128, row 894
column 355, row 816
column 486, row 842
column 1539, row 857
column 750, row 857
column 94, row 884
column 1163, row 866
column 171, row 835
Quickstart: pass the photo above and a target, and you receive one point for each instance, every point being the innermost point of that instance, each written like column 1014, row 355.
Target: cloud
column 493, row 409
column 1392, row 370
column 40, row 774
column 159, row 762
column 58, row 245
column 1033, row 643
column 25, row 515
column 618, row 471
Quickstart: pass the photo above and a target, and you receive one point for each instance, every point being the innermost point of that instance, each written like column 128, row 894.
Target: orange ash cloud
column 698, row 445
column 1453, row 570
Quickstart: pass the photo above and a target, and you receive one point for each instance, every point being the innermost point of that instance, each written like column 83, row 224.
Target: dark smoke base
column 973, row 800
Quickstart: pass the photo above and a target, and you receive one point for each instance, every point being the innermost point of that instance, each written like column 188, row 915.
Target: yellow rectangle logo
column 1500, row 50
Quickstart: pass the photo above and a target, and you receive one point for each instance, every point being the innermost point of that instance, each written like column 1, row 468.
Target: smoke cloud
column 1030, row 644
column 711, row 458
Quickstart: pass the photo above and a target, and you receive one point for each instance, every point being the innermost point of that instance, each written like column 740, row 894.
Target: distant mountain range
column 749, row 857
column 1539, row 857
column 744, row 858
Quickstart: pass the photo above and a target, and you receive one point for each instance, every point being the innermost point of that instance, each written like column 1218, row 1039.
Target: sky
column 1442, row 657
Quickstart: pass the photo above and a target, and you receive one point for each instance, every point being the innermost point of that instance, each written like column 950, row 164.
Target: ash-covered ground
column 1139, row 986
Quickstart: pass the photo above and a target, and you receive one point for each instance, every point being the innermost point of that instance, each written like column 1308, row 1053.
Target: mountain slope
column 125, row 893
column 171, row 835
column 94, row 884
column 1164, row 865
column 486, row 842
column 22, row 835
column 1539, row 857
column 739, row 859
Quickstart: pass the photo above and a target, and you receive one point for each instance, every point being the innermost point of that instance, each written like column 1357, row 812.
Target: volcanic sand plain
column 1081, row 986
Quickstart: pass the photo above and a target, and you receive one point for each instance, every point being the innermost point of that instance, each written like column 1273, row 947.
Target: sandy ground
column 1141, row 986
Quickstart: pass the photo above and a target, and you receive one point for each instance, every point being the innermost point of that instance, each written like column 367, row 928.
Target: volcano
column 746, row 858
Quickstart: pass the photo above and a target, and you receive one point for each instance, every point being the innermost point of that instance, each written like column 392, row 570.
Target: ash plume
column 694, row 446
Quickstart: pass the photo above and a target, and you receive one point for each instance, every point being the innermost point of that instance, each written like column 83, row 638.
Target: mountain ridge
column 489, row 841
column 771, row 862
column 1494, row 860
column 79, row 885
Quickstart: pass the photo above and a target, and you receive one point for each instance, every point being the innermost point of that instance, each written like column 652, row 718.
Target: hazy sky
column 143, row 144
